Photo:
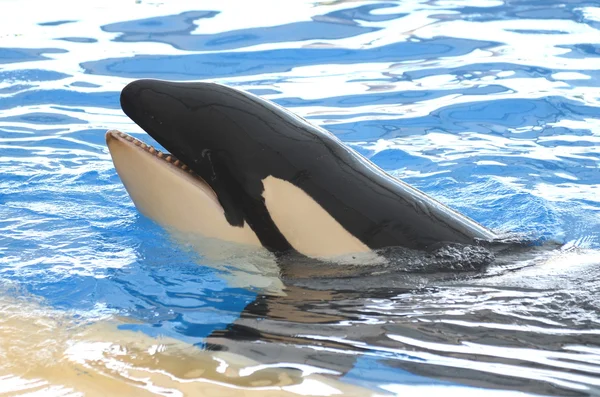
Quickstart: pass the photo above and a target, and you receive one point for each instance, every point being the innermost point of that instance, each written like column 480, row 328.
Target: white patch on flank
column 305, row 224
column 172, row 197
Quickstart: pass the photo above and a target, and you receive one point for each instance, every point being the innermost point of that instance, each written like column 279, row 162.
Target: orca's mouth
column 167, row 191
column 151, row 150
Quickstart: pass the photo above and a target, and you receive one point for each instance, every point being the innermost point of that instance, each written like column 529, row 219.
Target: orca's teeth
column 168, row 157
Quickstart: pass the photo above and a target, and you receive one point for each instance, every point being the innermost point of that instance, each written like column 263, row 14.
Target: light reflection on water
column 489, row 106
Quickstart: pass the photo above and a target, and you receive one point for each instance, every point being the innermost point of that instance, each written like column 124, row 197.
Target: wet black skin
column 234, row 140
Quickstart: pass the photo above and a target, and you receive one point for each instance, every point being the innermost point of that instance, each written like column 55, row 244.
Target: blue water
column 492, row 108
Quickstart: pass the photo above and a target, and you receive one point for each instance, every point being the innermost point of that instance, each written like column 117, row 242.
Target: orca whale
column 243, row 169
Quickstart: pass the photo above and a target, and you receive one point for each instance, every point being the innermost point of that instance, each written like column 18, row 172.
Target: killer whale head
column 270, row 177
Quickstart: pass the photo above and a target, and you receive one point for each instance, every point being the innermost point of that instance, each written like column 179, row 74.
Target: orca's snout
column 169, row 111
column 149, row 105
column 128, row 93
column 135, row 100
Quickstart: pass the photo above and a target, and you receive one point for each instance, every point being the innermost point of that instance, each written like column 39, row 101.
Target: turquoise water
column 489, row 106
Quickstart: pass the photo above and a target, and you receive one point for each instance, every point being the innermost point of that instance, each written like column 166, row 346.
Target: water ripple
column 490, row 106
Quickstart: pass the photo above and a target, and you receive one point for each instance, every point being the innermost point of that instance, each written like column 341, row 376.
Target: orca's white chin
column 167, row 191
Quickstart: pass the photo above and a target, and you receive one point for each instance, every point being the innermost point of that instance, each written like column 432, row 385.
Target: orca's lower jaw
column 164, row 189
column 151, row 150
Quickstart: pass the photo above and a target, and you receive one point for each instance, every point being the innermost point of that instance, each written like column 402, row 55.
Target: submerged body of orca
column 245, row 170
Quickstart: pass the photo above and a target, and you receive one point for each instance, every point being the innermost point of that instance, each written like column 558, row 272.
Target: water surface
column 489, row 106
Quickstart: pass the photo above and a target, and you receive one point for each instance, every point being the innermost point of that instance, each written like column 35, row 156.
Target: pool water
column 489, row 106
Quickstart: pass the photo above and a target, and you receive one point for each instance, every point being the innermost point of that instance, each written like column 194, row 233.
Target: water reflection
column 177, row 30
column 241, row 63
column 467, row 332
column 96, row 359
column 13, row 55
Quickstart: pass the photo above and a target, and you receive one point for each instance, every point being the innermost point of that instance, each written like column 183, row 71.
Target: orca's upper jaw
column 158, row 108
column 142, row 101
